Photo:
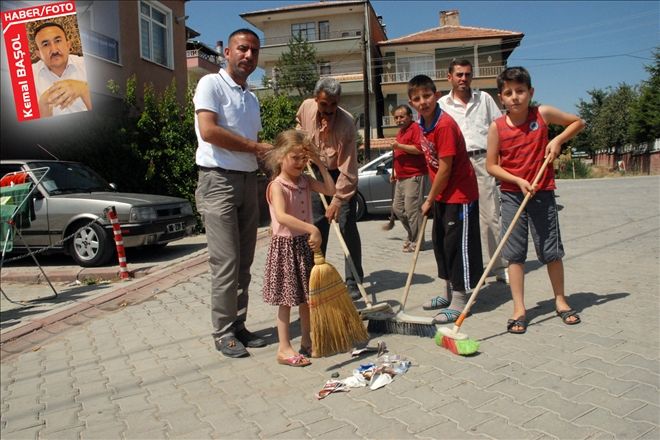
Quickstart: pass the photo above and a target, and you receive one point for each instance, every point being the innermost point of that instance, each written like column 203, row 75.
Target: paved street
column 147, row 368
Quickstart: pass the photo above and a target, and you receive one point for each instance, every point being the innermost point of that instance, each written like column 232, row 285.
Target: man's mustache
column 55, row 54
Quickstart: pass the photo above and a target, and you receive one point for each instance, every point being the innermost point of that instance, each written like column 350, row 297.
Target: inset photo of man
column 58, row 65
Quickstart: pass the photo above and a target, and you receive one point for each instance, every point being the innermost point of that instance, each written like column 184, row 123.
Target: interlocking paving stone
column 499, row 427
column 644, row 393
column 620, row 427
column 515, row 414
column 567, row 409
column 648, row 413
column 613, row 386
column 619, row 406
column 519, row 392
column 555, row 426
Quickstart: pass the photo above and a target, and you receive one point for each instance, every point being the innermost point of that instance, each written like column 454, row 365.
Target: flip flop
column 297, row 360
column 447, row 316
column 520, row 322
column 565, row 315
column 437, row 302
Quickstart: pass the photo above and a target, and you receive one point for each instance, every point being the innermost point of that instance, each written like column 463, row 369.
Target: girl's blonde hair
column 284, row 143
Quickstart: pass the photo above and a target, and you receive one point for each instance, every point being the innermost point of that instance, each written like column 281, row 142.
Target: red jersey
column 522, row 149
column 405, row 164
column 445, row 139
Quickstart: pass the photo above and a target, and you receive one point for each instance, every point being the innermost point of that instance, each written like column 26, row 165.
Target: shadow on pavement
column 386, row 279
column 35, row 306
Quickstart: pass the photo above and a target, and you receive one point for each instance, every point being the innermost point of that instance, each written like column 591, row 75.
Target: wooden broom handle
column 503, row 241
column 347, row 253
column 411, row 272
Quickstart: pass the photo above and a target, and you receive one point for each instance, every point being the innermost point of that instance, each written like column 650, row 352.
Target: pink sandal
column 297, row 360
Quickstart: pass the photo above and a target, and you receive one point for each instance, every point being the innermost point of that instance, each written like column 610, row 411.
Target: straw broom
column 336, row 326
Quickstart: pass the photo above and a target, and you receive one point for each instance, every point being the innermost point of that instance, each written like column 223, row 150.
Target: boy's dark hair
column 243, row 31
column 403, row 107
column 45, row 25
column 421, row 82
column 462, row 63
column 515, row 74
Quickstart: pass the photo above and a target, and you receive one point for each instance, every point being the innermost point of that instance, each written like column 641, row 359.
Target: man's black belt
column 222, row 170
column 473, row 153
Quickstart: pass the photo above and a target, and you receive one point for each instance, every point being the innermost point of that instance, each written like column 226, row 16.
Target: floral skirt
column 288, row 265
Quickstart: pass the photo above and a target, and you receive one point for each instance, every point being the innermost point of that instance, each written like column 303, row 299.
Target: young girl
column 290, row 258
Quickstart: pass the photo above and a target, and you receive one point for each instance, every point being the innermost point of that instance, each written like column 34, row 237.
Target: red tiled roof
column 450, row 33
column 380, row 144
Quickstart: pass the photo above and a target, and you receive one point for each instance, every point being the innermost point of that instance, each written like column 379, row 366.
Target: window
column 156, row 33
column 99, row 28
column 305, row 31
column 324, row 30
column 324, row 69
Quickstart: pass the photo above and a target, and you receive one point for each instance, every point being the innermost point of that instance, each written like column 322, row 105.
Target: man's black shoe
column 354, row 292
column 230, row 347
column 250, row 339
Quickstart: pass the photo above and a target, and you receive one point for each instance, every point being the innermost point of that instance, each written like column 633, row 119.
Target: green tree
column 611, row 125
column 589, row 110
column 297, row 69
column 278, row 113
column 645, row 117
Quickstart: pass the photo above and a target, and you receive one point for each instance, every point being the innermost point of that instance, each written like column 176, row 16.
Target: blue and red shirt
column 445, row 139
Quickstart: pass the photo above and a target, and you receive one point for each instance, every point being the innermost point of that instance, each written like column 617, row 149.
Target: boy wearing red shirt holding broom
column 454, row 198
column 517, row 146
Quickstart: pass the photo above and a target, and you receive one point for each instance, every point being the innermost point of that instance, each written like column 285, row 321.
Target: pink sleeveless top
column 298, row 202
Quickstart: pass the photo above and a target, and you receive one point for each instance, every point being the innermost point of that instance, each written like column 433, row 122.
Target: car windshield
column 70, row 177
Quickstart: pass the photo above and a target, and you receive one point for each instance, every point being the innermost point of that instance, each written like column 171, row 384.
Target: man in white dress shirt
column 474, row 110
column 60, row 78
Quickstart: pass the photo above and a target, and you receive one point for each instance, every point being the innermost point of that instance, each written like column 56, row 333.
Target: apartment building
column 338, row 31
column 429, row 52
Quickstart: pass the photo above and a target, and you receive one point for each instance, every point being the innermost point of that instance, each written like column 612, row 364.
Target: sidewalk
column 148, row 368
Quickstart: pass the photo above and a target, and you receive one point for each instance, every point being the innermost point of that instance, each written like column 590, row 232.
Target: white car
column 375, row 191
column 71, row 195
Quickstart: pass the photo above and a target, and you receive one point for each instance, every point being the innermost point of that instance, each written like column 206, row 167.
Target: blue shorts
column 540, row 215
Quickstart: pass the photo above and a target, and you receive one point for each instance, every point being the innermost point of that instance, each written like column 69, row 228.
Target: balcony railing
column 214, row 59
column 401, row 77
column 348, row 33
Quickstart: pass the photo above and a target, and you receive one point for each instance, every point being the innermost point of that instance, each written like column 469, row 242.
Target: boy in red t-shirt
column 454, row 197
column 517, row 146
column 409, row 171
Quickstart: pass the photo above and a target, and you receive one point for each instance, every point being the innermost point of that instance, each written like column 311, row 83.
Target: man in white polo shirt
column 474, row 110
column 227, row 123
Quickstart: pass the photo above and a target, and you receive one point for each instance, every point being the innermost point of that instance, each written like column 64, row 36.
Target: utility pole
column 274, row 71
column 365, row 86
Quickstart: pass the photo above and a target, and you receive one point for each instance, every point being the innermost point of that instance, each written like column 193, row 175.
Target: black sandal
column 565, row 315
column 520, row 322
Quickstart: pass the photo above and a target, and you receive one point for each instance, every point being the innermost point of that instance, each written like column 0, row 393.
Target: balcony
column 441, row 74
column 199, row 62
column 336, row 35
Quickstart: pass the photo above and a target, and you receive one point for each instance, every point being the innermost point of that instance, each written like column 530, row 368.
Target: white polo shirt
column 44, row 78
column 237, row 110
column 473, row 118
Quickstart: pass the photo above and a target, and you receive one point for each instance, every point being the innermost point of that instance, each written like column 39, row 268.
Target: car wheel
column 91, row 246
column 361, row 207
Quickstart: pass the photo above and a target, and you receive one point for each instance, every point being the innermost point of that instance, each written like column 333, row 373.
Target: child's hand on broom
column 315, row 240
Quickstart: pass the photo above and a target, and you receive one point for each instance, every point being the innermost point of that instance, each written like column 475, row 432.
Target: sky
column 569, row 47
